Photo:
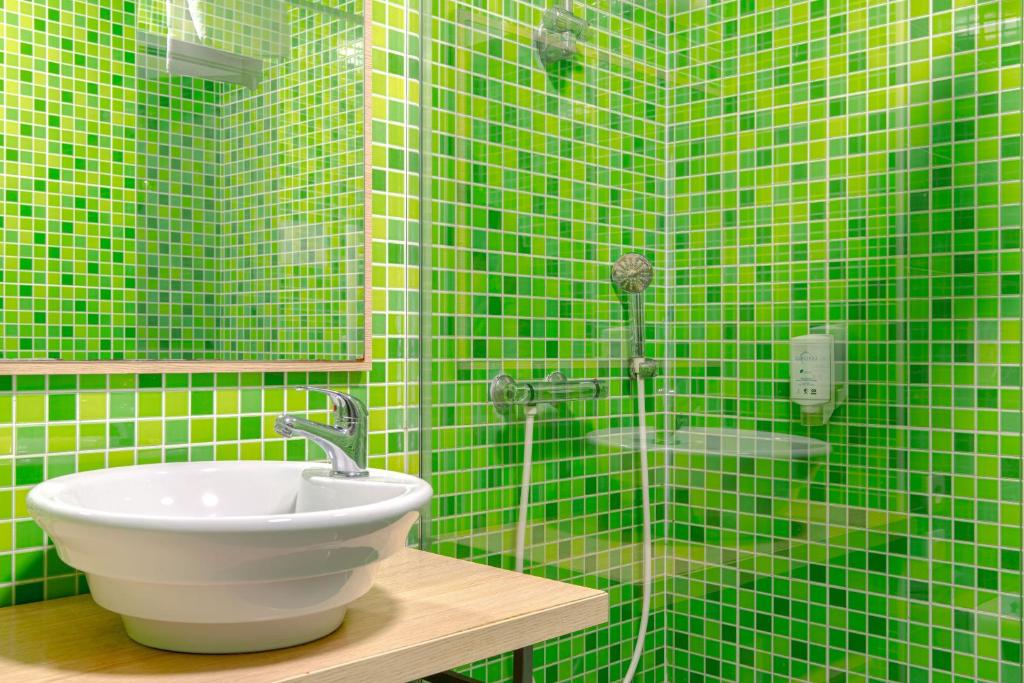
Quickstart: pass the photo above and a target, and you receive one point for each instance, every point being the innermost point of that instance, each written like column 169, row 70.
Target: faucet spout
column 344, row 442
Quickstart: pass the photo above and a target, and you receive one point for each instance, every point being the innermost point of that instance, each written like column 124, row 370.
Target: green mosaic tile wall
column 68, row 181
column 850, row 162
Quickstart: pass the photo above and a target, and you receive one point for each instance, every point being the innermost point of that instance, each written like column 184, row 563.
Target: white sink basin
column 227, row 557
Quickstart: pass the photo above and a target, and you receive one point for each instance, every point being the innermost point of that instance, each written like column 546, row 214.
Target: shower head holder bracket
column 642, row 367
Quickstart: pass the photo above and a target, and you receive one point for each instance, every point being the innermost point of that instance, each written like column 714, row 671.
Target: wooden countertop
column 425, row 613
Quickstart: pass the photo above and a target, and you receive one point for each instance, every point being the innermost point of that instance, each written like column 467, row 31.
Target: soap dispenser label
column 810, row 375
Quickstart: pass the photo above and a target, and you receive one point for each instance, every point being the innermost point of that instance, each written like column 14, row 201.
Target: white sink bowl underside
column 227, row 557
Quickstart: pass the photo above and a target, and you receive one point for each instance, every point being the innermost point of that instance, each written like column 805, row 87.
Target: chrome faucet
column 344, row 442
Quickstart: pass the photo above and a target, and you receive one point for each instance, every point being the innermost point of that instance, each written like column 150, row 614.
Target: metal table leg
column 522, row 670
column 522, row 665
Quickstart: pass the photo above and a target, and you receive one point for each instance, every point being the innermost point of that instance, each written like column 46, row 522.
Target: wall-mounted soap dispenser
column 817, row 374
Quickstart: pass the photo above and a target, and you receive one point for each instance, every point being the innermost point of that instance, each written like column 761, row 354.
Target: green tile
column 62, row 407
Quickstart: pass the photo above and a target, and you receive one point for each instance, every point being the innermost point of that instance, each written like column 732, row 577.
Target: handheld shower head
column 632, row 273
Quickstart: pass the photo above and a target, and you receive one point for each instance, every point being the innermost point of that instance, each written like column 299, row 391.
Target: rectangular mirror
column 201, row 204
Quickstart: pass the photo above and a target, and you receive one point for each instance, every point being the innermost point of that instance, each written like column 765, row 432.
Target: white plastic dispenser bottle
column 812, row 376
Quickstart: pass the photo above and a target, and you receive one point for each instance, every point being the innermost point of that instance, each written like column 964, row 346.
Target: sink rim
column 43, row 501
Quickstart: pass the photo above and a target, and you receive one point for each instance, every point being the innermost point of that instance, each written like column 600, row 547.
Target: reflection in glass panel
column 267, row 181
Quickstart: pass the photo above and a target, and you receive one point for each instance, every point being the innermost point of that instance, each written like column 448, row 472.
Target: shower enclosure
column 542, row 172
column 850, row 168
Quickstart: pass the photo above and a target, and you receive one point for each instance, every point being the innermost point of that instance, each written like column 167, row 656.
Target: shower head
column 558, row 34
column 632, row 273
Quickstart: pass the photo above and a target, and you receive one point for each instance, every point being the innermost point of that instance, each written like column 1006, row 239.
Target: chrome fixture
column 559, row 31
column 202, row 61
column 555, row 388
column 633, row 273
column 344, row 442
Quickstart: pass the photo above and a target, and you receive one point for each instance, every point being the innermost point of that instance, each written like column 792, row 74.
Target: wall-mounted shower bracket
column 506, row 392
column 642, row 366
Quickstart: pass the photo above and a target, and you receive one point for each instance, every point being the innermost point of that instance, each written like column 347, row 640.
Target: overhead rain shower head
column 632, row 273
column 558, row 34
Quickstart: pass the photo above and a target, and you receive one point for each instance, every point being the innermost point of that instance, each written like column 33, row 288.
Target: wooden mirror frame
column 105, row 367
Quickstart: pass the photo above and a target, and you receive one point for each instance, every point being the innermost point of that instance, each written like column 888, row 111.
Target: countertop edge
column 448, row 652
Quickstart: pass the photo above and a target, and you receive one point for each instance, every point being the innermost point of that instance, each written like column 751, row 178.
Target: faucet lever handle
column 345, row 406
